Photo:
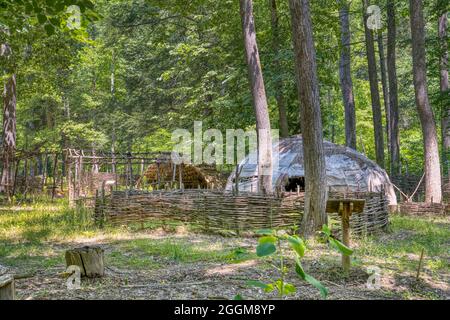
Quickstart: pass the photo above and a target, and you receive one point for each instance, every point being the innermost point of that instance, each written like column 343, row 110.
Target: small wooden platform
column 337, row 205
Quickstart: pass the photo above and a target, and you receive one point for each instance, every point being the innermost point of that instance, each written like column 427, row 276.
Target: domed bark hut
column 347, row 170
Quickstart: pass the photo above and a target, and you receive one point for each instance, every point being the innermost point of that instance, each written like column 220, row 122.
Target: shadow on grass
column 419, row 288
column 28, row 255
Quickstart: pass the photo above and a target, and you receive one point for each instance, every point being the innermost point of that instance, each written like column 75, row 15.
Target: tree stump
column 7, row 288
column 89, row 259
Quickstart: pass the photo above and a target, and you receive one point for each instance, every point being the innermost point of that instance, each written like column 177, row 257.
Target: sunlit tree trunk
column 9, row 134
column 9, row 128
column 345, row 76
column 384, row 84
column 374, row 92
column 433, row 192
column 310, row 114
column 394, row 141
column 445, row 122
column 259, row 98
column 279, row 96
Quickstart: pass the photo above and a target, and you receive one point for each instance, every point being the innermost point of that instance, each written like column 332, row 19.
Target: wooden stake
column 420, row 265
column 346, row 213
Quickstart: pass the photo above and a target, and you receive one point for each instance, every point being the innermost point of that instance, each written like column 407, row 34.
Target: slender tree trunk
column 259, row 98
column 9, row 134
column 9, row 128
column 284, row 128
column 311, row 120
column 394, row 140
column 374, row 92
column 387, row 109
column 433, row 192
column 445, row 122
column 345, row 76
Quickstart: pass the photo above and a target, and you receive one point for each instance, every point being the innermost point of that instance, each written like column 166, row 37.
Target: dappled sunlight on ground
column 230, row 269
column 171, row 260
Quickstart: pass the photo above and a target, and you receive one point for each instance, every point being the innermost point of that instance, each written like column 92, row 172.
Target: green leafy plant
column 336, row 244
column 271, row 244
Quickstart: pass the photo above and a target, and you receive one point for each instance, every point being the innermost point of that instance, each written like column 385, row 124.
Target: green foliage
column 273, row 241
column 336, row 244
column 174, row 62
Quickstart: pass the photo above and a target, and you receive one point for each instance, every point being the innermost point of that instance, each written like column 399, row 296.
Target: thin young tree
column 394, row 140
column 259, row 97
column 279, row 96
column 433, row 192
column 374, row 92
column 345, row 75
column 387, row 109
column 445, row 121
column 310, row 115
column 9, row 125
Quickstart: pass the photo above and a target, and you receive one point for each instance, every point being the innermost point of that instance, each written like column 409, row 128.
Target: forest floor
column 174, row 261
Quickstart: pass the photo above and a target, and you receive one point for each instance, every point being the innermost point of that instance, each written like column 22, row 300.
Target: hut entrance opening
column 293, row 182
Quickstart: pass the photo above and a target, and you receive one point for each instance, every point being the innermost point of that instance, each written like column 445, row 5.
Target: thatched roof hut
column 347, row 170
column 192, row 177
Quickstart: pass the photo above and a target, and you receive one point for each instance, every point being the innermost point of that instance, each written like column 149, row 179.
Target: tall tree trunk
column 9, row 128
column 374, row 92
column 445, row 122
column 311, row 120
column 394, row 140
column 259, row 98
column 279, row 96
column 9, row 134
column 345, row 76
column 387, row 109
column 433, row 192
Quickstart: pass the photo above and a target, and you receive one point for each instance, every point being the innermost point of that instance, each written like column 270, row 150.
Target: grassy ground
column 170, row 260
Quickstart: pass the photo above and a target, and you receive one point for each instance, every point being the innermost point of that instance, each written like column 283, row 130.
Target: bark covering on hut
column 192, row 177
column 347, row 170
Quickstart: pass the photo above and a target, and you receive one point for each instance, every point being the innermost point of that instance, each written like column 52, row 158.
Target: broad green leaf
column 267, row 239
column 316, row 283
column 41, row 18
column 270, row 287
column 326, row 230
column 289, row 288
column 299, row 268
column 258, row 284
column 49, row 29
column 265, row 249
column 342, row 248
column 238, row 297
column 311, row 280
column 297, row 245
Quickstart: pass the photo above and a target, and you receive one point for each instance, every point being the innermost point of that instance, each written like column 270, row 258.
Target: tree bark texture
column 374, row 92
column 279, row 95
column 433, row 192
column 310, row 114
column 345, row 76
column 259, row 98
column 394, row 140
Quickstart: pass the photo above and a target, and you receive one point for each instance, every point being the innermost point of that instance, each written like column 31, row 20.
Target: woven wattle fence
column 424, row 209
column 216, row 210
